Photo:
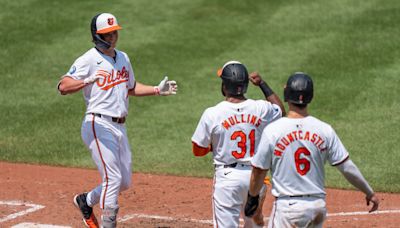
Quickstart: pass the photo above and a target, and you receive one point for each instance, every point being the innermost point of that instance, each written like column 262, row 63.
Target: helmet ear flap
column 97, row 39
column 285, row 94
column 100, row 43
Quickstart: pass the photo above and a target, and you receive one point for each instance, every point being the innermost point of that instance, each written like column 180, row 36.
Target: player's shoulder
column 320, row 124
column 258, row 102
column 90, row 53
column 85, row 58
column 279, row 123
column 215, row 108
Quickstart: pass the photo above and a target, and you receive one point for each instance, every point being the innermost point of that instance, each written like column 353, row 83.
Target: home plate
column 36, row 225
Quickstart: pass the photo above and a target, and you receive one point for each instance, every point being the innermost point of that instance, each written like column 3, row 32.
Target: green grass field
column 349, row 47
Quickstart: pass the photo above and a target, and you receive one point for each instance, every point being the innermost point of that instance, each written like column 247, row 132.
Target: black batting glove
column 251, row 205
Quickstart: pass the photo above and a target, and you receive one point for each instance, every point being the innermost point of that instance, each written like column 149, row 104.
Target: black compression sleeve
column 267, row 91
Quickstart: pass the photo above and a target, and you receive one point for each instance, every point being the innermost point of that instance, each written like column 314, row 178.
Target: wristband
column 265, row 89
column 156, row 90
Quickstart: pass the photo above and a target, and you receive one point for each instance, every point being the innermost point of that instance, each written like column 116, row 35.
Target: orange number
column 242, row 143
column 302, row 164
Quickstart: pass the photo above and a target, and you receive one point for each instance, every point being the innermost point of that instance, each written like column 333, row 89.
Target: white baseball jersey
column 109, row 94
column 234, row 129
column 295, row 150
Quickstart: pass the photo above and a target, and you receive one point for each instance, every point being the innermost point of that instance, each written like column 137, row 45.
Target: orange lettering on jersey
column 318, row 141
column 242, row 118
column 294, row 133
column 112, row 79
column 280, row 146
column 307, row 136
column 313, row 138
column 290, row 137
column 231, row 120
column 300, row 134
column 236, row 120
column 258, row 122
column 285, row 141
column 253, row 120
column 226, row 125
column 278, row 153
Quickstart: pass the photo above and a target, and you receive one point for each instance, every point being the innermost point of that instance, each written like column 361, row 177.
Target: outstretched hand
column 166, row 87
column 255, row 78
column 375, row 202
column 92, row 79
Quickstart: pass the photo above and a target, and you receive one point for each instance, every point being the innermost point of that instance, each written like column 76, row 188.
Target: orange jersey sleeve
column 200, row 151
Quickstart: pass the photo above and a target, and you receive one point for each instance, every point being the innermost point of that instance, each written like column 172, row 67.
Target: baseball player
column 295, row 149
column 231, row 130
column 107, row 79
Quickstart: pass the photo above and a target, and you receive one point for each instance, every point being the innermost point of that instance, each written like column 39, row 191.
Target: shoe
column 87, row 212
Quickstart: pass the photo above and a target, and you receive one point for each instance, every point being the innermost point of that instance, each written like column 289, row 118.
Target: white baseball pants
column 231, row 186
column 109, row 146
column 306, row 211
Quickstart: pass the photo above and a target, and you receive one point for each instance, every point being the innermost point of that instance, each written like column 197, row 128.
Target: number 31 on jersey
column 241, row 139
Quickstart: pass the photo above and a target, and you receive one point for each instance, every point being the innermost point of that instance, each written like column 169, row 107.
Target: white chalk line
column 33, row 207
column 363, row 213
column 133, row 216
column 206, row 221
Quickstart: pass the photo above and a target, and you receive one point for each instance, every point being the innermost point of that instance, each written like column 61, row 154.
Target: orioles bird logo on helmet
column 110, row 21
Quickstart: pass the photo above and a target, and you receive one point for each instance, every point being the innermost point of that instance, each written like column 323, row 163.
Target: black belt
column 114, row 119
column 300, row 196
column 233, row 165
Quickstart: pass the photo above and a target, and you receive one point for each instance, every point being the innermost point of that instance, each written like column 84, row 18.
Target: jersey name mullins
column 243, row 118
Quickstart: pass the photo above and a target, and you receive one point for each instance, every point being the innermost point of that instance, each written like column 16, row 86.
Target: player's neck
column 109, row 52
column 296, row 112
column 295, row 115
column 235, row 99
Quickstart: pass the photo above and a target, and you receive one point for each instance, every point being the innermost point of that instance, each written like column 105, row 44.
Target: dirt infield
column 43, row 195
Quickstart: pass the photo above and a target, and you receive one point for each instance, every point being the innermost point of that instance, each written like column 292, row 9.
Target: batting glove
column 91, row 79
column 251, row 205
column 166, row 87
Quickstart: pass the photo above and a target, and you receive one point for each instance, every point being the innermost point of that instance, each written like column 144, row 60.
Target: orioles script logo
column 112, row 79
column 110, row 21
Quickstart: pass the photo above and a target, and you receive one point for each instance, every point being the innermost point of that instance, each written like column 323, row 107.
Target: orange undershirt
column 200, row 151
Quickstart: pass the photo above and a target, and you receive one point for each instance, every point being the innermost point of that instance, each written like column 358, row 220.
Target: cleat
column 87, row 212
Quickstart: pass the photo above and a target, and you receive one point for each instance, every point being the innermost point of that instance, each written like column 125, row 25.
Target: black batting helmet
column 234, row 77
column 103, row 23
column 299, row 89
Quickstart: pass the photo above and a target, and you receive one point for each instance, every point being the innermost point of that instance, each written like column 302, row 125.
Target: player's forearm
column 354, row 176
column 274, row 99
column 256, row 180
column 68, row 85
column 271, row 96
column 142, row 90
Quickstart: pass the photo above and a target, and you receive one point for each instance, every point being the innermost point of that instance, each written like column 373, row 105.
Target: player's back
column 299, row 148
column 237, row 127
